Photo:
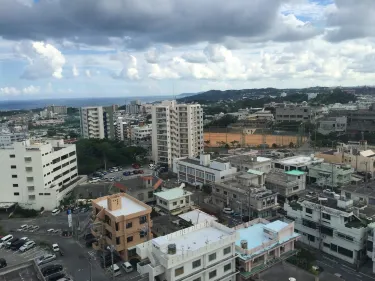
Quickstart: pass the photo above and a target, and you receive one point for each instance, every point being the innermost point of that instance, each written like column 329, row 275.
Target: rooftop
column 299, row 160
column 197, row 216
column 255, row 172
column 295, row 173
column 196, row 162
column 194, row 240
column 276, row 225
column 24, row 271
column 367, row 188
column 173, row 193
column 129, row 206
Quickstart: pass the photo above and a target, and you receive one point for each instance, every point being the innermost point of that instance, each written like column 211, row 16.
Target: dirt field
column 253, row 140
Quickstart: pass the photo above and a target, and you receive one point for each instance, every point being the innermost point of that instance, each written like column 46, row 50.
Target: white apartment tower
column 97, row 122
column 177, row 131
column 37, row 175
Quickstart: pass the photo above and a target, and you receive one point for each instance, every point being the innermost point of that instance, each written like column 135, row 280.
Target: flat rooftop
column 193, row 240
column 128, row 207
column 364, row 188
column 255, row 237
column 197, row 216
column 173, row 193
column 197, row 162
column 298, row 160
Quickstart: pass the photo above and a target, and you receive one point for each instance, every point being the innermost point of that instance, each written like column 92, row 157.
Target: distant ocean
column 31, row 104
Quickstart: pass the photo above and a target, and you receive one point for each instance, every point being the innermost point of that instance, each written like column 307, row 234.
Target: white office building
column 332, row 125
column 202, row 171
column 331, row 225
column 7, row 138
column 203, row 252
column 37, row 175
column 177, row 131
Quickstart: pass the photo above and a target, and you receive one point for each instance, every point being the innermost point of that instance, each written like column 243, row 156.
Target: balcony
column 145, row 267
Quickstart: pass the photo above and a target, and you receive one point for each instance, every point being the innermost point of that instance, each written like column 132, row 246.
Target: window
column 225, row 193
column 308, row 210
column 142, row 234
column 227, row 267
column 227, row 250
column 129, row 239
column 234, row 196
column 217, row 190
column 16, row 193
column 212, row 257
column 212, row 274
column 47, row 193
column 27, row 159
column 117, row 226
column 179, row 271
column 196, row 263
column 181, row 201
column 142, row 220
column 15, row 185
column 174, row 203
column 12, row 156
column 345, row 252
column 311, row 238
column 326, row 245
column 14, row 176
column 150, row 194
column 334, row 247
column 29, row 169
column 197, row 279
column 129, row 225
column 140, row 196
column 326, row 216
column 326, row 230
column 13, row 167
column 295, row 188
column 117, row 240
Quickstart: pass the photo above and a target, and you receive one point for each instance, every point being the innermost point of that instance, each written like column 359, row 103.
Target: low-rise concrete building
column 246, row 195
column 121, row 221
column 332, row 175
column 204, row 252
column 293, row 112
column 286, row 183
column 138, row 133
column 175, row 200
column 248, row 161
column 330, row 225
column 203, row 170
column 262, row 244
column 298, row 162
column 332, row 125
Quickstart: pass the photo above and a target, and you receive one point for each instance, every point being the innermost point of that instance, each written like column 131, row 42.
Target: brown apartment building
column 121, row 221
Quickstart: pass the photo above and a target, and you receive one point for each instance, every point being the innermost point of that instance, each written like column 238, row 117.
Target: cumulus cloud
column 152, row 56
column 194, row 57
column 12, row 91
column 129, row 66
column 75, row 71
column 44, row 60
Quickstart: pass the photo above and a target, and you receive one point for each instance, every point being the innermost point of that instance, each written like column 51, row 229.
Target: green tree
column 274, row 145
column 291, row 144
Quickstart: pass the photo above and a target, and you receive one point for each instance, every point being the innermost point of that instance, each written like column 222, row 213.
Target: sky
column 120, row 48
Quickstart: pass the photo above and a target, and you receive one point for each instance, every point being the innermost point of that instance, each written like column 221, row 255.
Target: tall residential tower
column 177, row 131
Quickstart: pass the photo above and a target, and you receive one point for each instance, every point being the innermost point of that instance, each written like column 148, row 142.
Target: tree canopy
column 94, row 154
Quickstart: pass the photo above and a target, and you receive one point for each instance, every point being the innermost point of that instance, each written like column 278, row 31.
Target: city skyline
column 53, row 49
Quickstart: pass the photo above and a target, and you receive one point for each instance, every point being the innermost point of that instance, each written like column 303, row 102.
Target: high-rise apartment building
column 37, row 175
column 177, row 131
column 97, row 122
column 58, row 109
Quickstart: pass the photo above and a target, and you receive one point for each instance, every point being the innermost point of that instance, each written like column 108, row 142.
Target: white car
column 94, row 180
column 51, row 230
column 227, row 211
column 55, row 247
column 151, row 166
column 35, row 228
column 55, row 212
column 23, row 227
column 27, row 246
column 24, row 239
column 45, row 259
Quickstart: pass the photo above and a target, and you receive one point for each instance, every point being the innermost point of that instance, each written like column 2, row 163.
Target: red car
column 140, row 172
column 135, row 166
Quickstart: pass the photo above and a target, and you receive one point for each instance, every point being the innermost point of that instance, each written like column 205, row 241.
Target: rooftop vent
column 172, row 249
column 244, row 244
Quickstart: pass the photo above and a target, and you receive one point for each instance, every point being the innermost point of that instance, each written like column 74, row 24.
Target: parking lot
column 119, row 175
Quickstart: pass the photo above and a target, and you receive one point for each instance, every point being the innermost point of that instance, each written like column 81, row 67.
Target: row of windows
column 179, row 271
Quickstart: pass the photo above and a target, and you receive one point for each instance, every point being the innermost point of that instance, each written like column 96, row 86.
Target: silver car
column 45, row 259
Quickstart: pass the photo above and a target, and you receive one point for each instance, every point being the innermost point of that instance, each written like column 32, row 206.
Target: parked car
column 27, row 246
column 127, row 267
column 140, row 172
column 136, row 166
column 11, row 242
column 24, row 239
column 94, row 180
column 90, row 241
column 151, row 166
column 45, row 259
column 55, row 276
column 35, row 228
column 227, row 211
column 84, row 210
column 111, row 179
column 3, row 263
column 16, row 246
column 51, row 269
column 89, row 236
column 5, row 239
column 55, row 212
column 55, row 247
column 65, row 279
column 127, row 173
column 51, row 230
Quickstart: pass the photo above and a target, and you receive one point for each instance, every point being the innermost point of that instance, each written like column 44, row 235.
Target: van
column 127, row 267
column 5, row 239
column 116, row 270
column 55, row 212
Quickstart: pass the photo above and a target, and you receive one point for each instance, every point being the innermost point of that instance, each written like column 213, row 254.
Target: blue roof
column 276, row 225
column 295, row 173
column 255, row 237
